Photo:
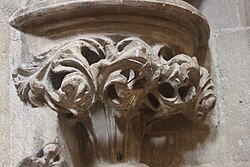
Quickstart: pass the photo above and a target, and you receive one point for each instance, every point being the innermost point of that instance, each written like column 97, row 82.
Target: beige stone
column 220, row 141
column 110, row 85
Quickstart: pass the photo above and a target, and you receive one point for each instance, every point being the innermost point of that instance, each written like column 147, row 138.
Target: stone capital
column 128, row 64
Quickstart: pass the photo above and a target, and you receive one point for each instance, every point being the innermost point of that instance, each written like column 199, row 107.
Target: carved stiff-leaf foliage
column 49, row 155
column 124, row 75
column 184, row 87
column 62, row 80
column 206, row 99
column 117, row 88
column 129, row 77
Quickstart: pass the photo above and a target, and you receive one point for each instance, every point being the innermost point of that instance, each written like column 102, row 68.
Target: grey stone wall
column 222, row 141
column 228, row 143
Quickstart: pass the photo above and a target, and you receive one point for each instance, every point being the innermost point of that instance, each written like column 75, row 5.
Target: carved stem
column 113, row 139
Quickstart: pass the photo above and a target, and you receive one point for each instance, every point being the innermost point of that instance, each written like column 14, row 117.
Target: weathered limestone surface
column 4, row 98
column 222, row 141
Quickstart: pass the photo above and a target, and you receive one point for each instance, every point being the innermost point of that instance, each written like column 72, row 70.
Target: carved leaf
column 184, row 87
column 48, row 156
column 128, row 78
column 63, row 80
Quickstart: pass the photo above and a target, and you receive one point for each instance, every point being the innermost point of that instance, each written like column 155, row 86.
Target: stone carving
column 72, row 77
column 127, row 83
column 183, row 87
column 49, row 155
column 134, row 66
column 61, row 78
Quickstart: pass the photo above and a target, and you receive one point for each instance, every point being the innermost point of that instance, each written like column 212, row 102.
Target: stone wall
column 222, row 141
